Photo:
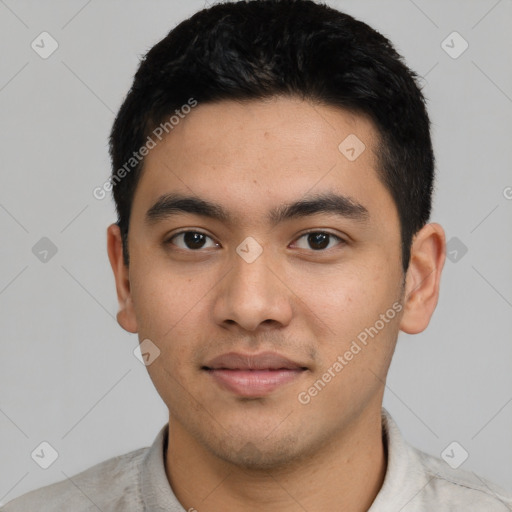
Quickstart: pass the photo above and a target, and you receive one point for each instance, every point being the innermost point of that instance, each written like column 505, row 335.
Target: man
column 273, row 172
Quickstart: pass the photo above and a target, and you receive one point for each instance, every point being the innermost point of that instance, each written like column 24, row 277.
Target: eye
column 319, row 240
column 191, row 240
column 195, row 240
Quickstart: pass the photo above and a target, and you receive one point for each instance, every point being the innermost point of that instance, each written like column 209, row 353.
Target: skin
column 269, row 453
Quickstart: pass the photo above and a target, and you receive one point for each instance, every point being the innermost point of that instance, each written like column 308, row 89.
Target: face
column 266, row 270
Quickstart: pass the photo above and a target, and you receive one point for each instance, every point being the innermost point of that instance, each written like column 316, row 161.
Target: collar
column 404, row 479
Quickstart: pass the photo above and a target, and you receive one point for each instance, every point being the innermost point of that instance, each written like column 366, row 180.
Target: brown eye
column 191, row 240
column 319, row 240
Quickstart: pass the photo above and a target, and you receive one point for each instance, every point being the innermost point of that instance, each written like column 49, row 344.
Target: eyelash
column 332, row 235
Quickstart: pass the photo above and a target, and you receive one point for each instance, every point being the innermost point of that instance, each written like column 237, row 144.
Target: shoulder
column 111, row 485
column 458, row 489
column 416, row 481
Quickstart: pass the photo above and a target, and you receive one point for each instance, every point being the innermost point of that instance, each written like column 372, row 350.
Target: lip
column 262, row 361
column 253, row 375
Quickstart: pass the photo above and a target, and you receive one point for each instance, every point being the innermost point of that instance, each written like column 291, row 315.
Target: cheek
column 350, row 304
column 360, row 327
column 162, row 299
column 346, row 298
column 168, row 312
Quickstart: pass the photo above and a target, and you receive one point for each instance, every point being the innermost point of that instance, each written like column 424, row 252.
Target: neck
column 346, row 474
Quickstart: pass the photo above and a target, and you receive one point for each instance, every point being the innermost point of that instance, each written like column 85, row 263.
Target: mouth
column 253, row 376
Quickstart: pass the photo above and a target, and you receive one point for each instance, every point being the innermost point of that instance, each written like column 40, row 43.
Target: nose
column 254, row 295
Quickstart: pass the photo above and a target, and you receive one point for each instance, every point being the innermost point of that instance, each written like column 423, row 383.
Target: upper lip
column 263, row 361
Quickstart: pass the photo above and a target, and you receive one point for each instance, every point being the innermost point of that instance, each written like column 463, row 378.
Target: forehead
column 284, row 128
column 254, row 155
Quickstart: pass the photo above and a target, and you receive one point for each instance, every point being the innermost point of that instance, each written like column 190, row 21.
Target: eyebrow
column 174, row 204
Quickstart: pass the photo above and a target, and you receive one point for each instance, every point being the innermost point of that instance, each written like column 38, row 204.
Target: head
column 298, row 131
column 256, row 50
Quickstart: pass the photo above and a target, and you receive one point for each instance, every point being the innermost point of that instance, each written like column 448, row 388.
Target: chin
column 259, row 454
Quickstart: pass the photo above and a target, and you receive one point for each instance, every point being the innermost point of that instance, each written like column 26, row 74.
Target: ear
column 428, row 252
column 126, row 314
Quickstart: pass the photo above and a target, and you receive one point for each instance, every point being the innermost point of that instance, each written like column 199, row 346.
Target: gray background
column 68, row 373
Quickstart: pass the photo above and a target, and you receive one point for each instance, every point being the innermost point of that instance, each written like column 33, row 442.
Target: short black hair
column 257, row 49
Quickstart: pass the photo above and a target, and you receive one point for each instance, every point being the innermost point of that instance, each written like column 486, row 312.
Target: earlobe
column 126, row 314
column 423, row 277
